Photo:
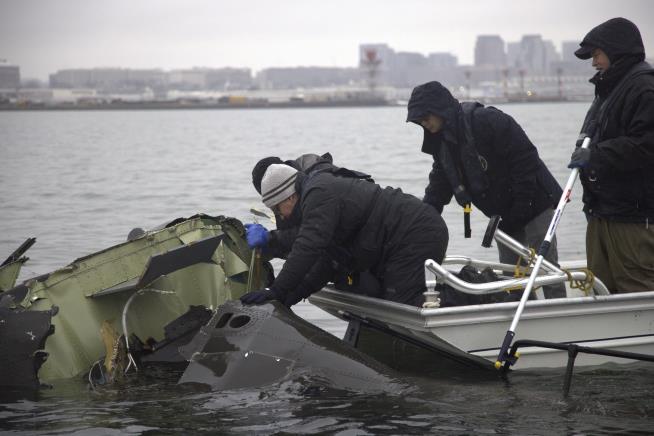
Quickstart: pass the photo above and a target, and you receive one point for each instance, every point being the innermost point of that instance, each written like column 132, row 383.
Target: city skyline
column 43, row 37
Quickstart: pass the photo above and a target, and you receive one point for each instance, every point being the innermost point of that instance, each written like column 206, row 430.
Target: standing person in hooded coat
column 483, row 157
column 617, row 169
column 383, row 231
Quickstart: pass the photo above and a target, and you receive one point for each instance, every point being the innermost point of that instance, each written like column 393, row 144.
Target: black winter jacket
column 281, row 240
column 509, row 180
column 619, row 180
column 365, row 222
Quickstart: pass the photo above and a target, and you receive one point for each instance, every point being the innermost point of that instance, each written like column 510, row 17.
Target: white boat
column 623, row 323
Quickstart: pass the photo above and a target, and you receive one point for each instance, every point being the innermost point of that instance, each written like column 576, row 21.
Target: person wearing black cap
column 484, row 158
column 617, row 169
column 358, row 224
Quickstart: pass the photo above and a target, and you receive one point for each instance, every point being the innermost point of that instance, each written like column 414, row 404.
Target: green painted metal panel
column 77, row 343
column 9, row 274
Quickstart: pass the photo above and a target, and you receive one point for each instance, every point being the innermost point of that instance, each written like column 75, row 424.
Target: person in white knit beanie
column 278, row 185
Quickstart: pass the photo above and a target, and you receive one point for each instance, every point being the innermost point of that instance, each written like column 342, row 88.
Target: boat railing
column 549, row 274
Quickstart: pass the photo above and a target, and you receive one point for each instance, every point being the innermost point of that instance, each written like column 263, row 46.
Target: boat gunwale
column 428, row 318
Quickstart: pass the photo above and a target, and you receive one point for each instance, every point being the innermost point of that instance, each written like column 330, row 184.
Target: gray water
column 80, row 181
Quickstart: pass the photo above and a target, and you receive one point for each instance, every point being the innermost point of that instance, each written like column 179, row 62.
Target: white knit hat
column 277, row 184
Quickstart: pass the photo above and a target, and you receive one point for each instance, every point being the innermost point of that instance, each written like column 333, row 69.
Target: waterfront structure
column 128, row 80
column 501, row 70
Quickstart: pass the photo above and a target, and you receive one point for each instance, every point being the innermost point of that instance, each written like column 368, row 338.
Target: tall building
column 9, row 77
column 489, row 51
column 568, row 49
column 533, row 54
column 513, row 55
column 570, row 65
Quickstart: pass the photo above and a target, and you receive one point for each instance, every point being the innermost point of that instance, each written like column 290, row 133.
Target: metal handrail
column 552, row 273
column 442, row 275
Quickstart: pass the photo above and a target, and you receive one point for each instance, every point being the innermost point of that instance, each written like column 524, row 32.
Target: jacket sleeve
column 280, row 242
column 320, row 214
column 635, row 148
column 319, row 275
column 439, row 192
column 512, row 143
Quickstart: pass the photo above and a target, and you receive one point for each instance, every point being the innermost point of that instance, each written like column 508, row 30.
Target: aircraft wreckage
column 163, row 297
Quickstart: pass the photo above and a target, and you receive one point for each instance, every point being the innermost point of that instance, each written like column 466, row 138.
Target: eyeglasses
column 277, row 208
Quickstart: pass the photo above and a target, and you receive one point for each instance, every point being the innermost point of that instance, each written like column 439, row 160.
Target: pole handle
column 502, row 357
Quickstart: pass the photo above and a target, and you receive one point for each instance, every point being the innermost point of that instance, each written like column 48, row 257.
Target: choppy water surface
column 79, row 181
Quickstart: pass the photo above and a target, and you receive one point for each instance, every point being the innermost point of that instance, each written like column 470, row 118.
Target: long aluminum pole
column 542, row 251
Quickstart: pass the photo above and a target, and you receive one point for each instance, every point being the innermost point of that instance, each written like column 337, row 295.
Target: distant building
column 151, row 78
column 126, row 80
column 442, row 60
column 551, row 54
column 384, row 66
column 9, row 77
column 409, row 69
column 568, row 49
column 376, row 52
column 70, row 78
column 306, row 77
column 571, row 65
column 513, row 51
column 533, row 54
column 229, row 78
column 107, row 79
column 489, row 51
column 188, row 79
column 376, row 61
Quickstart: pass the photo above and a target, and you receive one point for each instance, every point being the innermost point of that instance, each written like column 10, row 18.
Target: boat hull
column 622, row 322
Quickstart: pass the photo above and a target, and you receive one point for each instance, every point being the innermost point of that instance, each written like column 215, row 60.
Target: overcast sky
column 43, row 36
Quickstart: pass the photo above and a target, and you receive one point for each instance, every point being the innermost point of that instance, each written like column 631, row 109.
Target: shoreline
column 255, row 104
column 173, row 105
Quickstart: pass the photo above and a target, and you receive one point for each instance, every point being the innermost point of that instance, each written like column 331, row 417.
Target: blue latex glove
column 580, row 158
column 258, row 297
column 256, row 235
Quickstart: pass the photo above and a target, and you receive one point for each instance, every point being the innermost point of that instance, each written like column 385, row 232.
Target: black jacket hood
column 432, row 98
column 617, row 37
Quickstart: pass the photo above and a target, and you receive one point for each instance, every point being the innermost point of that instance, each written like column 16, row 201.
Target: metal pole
column 542, row 251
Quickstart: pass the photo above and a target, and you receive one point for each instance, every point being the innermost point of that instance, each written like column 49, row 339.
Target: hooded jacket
column 619, row 179
column 482, row 155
